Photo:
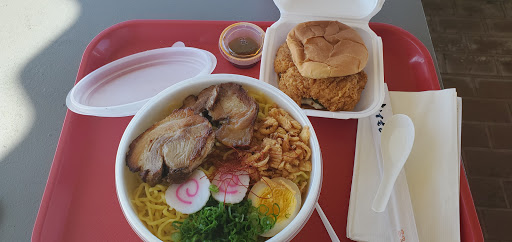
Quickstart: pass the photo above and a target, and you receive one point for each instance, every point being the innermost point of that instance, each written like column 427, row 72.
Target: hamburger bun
column 322, row 49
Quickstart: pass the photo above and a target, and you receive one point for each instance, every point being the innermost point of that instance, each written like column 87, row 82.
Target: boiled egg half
column 282, row 192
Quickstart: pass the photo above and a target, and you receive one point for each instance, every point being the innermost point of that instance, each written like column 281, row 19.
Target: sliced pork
column 172, row 148
column 203, row 101
column 236, row 112
column 232, row 110
column 189, row 102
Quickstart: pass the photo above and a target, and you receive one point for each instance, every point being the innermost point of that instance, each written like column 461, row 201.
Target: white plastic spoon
column 396, row 143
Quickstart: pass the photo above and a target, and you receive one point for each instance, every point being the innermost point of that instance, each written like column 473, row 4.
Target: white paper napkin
column 432, row 169
column 431, row 174
column 397, row 221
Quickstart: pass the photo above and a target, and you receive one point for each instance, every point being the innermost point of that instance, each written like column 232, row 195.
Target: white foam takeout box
column 354, row 13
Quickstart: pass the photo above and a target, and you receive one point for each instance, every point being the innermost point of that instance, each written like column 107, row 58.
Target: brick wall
column 473, row 44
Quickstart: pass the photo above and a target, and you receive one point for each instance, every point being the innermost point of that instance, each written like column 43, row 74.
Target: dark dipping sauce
column 243, row 47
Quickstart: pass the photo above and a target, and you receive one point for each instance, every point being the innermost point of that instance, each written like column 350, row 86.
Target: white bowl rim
column 315, row 178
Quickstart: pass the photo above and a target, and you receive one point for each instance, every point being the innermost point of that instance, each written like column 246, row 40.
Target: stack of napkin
column 424, row 205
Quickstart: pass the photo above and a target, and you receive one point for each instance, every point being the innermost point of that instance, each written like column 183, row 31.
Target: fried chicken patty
column 283, row 59
column 334, row 93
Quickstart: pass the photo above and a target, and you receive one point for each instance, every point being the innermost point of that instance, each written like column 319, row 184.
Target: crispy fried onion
column 269, row 126
column 280, row 148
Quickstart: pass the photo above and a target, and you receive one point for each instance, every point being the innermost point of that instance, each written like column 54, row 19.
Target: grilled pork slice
column 229, row 105
column 203, row 101
column 189, row 102
column 236, row 112
column 172, row 148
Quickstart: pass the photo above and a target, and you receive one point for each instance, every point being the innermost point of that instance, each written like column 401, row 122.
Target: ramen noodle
column 154, row 212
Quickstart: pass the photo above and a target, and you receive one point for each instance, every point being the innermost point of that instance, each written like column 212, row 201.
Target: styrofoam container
column 122, row 87
column 161, row 105
column 355, row 14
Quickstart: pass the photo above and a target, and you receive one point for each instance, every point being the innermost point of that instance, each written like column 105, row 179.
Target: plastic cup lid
column 122, row 87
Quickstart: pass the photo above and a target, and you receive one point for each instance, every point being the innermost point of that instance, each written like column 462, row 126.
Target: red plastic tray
column 80, row 202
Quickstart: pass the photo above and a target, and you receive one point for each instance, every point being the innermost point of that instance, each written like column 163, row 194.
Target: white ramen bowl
column 163, row 103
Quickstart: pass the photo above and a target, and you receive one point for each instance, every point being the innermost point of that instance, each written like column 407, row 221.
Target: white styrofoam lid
column 122, row 87
column 362, row 10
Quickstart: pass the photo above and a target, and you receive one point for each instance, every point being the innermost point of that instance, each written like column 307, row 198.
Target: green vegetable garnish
column 214, row 188
column 176, row 236
column 226, row 222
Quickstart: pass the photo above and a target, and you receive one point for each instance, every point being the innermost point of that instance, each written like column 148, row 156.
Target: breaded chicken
column 334, row 93
column 283, row 59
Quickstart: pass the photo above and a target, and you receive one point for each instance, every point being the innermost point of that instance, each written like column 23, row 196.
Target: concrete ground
column 473, row 44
